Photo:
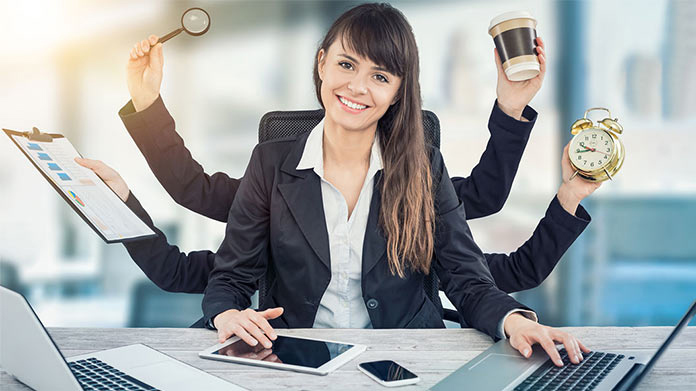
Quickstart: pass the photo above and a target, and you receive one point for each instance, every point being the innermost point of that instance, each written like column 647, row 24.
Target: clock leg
column 573, row 176
column 609, row 175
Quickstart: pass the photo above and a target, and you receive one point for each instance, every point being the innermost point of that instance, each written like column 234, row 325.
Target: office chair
column 279, row 124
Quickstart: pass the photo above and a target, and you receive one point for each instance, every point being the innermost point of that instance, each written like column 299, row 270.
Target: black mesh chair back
column 280, row 124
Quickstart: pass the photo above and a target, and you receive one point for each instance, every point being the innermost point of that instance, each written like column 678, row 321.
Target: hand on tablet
column 108, row 175
column 249, row 325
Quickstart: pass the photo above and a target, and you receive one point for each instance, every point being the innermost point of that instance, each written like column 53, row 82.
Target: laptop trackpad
column 496, row 371
column 175, row 376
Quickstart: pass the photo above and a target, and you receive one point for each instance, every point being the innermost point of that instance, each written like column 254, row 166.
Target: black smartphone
column 388, row 373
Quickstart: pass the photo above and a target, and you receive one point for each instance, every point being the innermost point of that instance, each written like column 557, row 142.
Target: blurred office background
column 63, row 70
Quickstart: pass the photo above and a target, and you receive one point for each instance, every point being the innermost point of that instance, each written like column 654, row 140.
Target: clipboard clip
column 36, row 135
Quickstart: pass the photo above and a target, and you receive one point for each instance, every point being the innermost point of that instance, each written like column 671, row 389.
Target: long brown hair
column 382, row 34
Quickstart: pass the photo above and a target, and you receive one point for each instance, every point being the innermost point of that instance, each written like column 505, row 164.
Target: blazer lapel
column 302, row 195
column 374, row 244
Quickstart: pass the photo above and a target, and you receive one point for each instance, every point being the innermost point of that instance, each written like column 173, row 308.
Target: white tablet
column 307, row 355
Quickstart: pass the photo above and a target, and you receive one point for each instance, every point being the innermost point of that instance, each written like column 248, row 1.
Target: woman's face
column 355, row 91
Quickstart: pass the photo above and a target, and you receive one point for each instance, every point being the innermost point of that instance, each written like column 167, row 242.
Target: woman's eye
column 346, row 65
column 381, row 78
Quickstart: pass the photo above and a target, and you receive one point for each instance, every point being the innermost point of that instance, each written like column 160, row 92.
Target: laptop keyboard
column 93, row 374
column 571, row 377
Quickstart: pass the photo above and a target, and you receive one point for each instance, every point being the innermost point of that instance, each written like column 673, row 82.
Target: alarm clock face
column 591, row 149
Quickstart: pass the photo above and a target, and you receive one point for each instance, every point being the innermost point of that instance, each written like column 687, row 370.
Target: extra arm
column 163, row 263
column 531, row 263
column 485, row 191
column 154, row 132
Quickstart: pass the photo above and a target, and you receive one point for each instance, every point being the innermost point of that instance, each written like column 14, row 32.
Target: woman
column 372, row 118
column 483, row 193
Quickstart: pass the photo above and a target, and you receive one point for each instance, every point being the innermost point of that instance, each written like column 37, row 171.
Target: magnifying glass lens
column 196, row 21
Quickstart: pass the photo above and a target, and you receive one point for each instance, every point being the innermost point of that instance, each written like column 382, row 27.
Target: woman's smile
column 350, row 105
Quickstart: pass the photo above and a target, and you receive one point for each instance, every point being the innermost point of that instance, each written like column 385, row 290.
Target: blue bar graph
column 64, row 176
column 34, row 147
column 44, row 156
column 54, row 167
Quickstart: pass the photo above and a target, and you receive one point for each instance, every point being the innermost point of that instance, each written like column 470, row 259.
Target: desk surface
column 432, row 354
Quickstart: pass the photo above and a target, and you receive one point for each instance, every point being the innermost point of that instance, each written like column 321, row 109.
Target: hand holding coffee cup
column 514, row 95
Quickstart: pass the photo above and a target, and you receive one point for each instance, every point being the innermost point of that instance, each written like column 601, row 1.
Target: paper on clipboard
column 89, row 196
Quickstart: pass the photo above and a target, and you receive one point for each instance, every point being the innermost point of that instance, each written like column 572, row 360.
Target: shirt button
column 372, row 304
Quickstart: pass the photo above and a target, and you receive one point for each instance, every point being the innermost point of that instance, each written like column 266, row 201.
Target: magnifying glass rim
column 187, row 30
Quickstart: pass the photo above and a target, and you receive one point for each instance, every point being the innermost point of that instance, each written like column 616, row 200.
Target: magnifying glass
column 195, row 21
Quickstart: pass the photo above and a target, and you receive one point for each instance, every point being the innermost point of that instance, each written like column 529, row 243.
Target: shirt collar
column 313, row 156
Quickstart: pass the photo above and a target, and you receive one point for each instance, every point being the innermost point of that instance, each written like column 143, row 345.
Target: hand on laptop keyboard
column 524, row 333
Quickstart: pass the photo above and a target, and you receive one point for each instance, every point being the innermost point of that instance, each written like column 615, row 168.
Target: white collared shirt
column 342, row 305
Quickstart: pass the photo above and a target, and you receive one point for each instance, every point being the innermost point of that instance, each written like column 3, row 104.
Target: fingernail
column 268, row 345
column 254, row 343
column 559, row 362
column 526, row 353
column 274, row 336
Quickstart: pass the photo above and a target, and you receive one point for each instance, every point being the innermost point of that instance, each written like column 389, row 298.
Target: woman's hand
column 573, row 191
column 249, row 325
column 514, row 96
column 524, row 333
column 108, row 175
column 144, row 72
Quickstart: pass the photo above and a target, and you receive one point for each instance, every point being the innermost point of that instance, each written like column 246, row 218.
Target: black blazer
column 277, row 222
column 483, row 193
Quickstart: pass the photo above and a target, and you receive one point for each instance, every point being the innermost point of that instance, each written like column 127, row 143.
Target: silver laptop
column 501, row 367
column 28, row 353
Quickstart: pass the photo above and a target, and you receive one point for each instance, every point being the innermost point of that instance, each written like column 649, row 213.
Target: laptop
column 501, row 367
column 28, row 353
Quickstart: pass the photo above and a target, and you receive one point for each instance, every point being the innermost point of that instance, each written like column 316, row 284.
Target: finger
column 272, row 313
column 540, row 42
column 569, row 345
column 153, row 39
column 138, row 50
column 263, row 324
column 263, row 355
column 145, row 46
column 550, row 348
column 273, row 358
column 244, row 336
column 583, row 347
column 258, row 335
column 156, row 58
column 522, row 346
column 133, row 55
column 223, row 334
column 498, row 63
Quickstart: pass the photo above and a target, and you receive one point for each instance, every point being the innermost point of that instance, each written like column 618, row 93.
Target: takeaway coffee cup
column 514, row 34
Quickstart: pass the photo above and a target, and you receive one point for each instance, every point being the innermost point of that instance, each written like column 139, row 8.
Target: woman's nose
column 357, row 86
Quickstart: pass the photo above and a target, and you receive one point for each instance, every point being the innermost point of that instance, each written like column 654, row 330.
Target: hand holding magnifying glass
column 195, row 21
column 145, row 64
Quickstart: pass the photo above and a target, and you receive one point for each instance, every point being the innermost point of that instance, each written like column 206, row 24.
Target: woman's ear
column 321, row 62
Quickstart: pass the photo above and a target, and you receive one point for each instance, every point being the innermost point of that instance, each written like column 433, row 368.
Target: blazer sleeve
column 153, row 131
column 163, row 263
column 460, row 264
column 485, row 191
column 530, row 264
column 242, row 257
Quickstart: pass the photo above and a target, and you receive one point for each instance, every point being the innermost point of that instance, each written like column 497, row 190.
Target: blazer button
column 372, row 304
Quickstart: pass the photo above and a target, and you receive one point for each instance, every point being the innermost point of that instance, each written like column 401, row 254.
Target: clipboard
column 88, row 195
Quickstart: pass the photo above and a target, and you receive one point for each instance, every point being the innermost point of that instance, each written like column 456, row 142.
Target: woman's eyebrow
column 377, row 68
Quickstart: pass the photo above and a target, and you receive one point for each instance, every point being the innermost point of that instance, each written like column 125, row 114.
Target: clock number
column 606, row 142
column 579, row 157
column 584, row 162
column 608, row 149
column 599, row 162
column 594, row 136
column 587, row 138
column 592, row 164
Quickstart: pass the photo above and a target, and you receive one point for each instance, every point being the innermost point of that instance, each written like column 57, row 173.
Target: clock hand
column 588, row 149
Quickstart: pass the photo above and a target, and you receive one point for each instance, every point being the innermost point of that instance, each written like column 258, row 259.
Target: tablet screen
column 288, row 350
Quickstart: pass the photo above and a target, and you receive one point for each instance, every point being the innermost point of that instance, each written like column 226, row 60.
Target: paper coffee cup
column 514, row 34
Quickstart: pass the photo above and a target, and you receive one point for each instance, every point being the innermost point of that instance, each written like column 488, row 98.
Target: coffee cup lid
column 511, row 15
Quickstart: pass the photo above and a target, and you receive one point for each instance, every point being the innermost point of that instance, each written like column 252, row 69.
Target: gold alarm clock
column 596, row 152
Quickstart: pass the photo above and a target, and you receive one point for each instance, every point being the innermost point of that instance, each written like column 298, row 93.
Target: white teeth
column 351, row 104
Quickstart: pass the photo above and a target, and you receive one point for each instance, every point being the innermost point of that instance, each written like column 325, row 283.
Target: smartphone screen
column 387, row 370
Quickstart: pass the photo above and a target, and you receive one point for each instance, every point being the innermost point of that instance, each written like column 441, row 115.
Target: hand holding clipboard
column 100, row 207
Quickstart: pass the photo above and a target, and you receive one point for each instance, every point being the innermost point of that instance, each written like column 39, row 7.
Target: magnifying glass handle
column 170, row 35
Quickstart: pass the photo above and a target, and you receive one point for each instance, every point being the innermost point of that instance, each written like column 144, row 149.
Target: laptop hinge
column 626, row 383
